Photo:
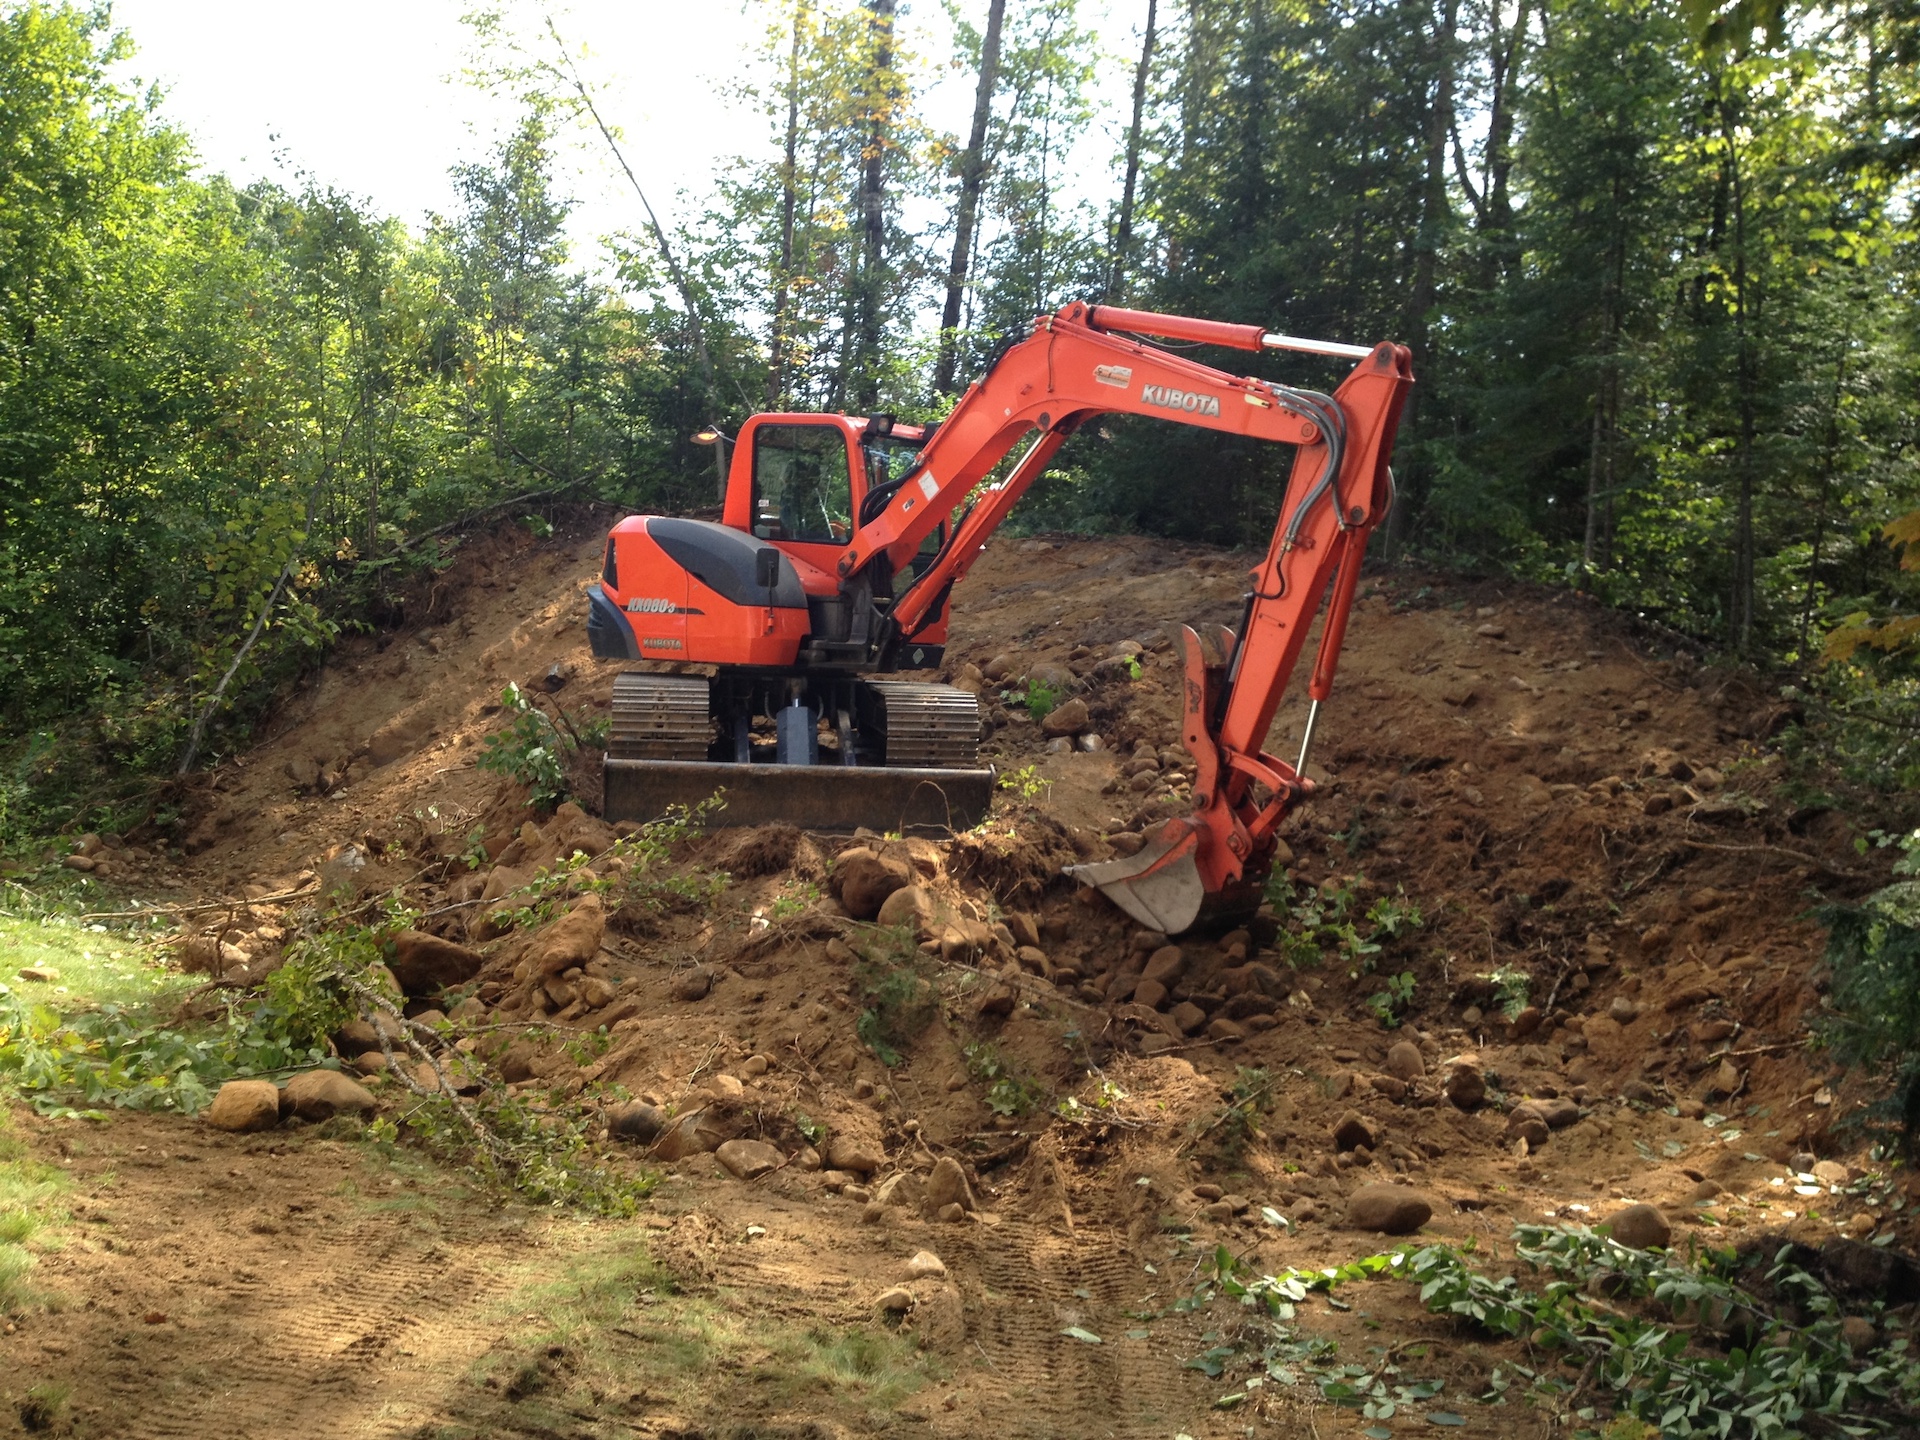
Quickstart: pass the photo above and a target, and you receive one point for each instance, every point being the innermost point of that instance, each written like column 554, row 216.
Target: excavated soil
column 1570, row 807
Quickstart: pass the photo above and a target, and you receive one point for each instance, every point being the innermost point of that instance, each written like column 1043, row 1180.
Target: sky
column 370, row 97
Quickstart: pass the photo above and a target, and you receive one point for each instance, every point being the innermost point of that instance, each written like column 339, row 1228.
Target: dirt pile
column 1540, row 953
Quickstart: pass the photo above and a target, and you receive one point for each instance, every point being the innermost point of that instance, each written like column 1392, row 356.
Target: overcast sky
column 369, row 96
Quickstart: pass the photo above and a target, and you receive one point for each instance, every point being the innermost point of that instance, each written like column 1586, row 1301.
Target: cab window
column 802, row 487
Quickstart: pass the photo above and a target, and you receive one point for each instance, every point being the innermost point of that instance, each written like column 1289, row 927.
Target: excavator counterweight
column 776, row 632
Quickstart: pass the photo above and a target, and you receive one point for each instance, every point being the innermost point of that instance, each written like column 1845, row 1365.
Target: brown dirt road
column 1557, row 800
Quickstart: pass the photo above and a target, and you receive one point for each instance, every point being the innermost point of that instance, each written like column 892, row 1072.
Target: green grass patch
column 614, row 1323
column 30, row 1216
column 95, row 967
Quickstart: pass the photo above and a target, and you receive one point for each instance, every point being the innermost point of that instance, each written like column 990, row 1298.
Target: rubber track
column 659, row 717
column 935, row 726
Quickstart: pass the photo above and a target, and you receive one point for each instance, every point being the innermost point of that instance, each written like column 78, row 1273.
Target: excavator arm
column 1085, row 361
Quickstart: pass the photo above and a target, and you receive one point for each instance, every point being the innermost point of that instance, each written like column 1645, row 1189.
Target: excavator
column 786, row 623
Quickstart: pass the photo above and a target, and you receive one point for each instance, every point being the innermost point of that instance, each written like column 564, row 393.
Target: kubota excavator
column 835, row 559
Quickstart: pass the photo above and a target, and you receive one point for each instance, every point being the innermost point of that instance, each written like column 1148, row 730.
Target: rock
column 83, row 863
column 1405, row 1062
column 1223, row 1031
column 951, row 1214
column 1639, row 1092
column 572, row 940
column 1528, row 1124
column 1219, row 1212
column 1388, row 1210
column 1859, row 1334
column 244, row 1105
column 896, row 1301
column 1150, row 993
column 1640, row 1227
column 1165, row 965
column 1066, row 720
column 686, row 1136
column 947, row 1185
column 1188, row 1016
column 1525, row 1023
column 691, row 984
column 425, row 964
column 848, row 1152
column 322, row 1094
column 1025, row 929
column 726, row 1087
column 1355, row 1130
column 910, row 906
column 755, row 1065
column 1623, row 1010
column 370, row 1062
column 596, row 993
column 1465, row 1086
column 749, row 1159
column 1208, row 1191
column 1801, row 1162
column 38, row 974
column 1828, row 1172
column 636, row 1122
column 925, row 1265
column 862, row 880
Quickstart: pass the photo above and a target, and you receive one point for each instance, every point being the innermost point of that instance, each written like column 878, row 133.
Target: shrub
column 1874, row 949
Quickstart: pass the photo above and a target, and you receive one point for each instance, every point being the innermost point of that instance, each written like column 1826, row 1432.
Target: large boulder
column 244, row 1105
column 863, row 880
column 1641, row 1227
column 572, row 940
column 425, row 964
column 1068, row 719
column 322, row 1094
column 947, row 1185
column 749, row 1159
column 1388, row 1210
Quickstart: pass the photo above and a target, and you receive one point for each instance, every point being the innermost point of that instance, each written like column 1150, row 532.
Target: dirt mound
column 1539, row 951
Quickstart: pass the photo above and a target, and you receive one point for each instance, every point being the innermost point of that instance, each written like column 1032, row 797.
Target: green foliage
column 1390, row 1005
column 534, row 747
column 1007, row 1093
column 1681, row 1345
column 1025, row 783
column 1512, row 989
column 1873, row 949
column 1322, row 920
column 897, row 984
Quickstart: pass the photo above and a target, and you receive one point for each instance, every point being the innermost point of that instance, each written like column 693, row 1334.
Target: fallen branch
column 198, row 909
column 1794, row 855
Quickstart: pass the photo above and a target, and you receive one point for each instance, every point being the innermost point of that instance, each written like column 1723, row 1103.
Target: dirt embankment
column 1602, row 1003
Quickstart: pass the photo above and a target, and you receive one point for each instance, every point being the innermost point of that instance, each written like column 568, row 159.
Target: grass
column 613, row 1323
column 96, row 967
column 30, row 1214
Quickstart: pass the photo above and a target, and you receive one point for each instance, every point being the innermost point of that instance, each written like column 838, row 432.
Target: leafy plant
column 1874, row 951
column 1008, row 1093
column 1512, row 989
column 534, row 747
column 1025, row 783
column 897, row 983
column 1390, row 1005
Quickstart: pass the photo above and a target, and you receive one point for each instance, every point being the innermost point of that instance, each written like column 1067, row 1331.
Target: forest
column 1656, row 264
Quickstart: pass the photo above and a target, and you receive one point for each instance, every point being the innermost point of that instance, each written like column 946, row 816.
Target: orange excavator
column 832, row 569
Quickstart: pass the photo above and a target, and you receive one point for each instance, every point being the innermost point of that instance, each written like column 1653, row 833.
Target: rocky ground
column 943, row 1138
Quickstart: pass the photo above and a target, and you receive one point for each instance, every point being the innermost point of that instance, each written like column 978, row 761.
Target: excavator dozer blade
column 1160, row 887
column 906, row 800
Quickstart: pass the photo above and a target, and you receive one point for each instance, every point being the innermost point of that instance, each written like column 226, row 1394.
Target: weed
column 796, row 901
column 1025, row 783
column 534, row 746
column 1237, row 1122
column 1008, row 1093
column 1390, row 1005
column 1511, row 989
column 1874, row 951
column 897, row 983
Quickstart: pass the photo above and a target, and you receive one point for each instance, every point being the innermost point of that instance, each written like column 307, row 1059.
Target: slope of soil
column 1600, row 828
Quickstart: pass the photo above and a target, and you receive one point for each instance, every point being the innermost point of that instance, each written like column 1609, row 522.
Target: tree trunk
column 1742, row 608
column 783, row 280
column 1435, row 211
column 873, row 215
column 1829, row 452
column 1123, row 226
column 973, row 172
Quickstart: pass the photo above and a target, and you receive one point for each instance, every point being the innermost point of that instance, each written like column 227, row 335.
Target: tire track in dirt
column 1033, row 1285
column 335, row 1331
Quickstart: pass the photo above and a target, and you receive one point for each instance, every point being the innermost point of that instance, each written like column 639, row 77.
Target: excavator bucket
column 1161, row 886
